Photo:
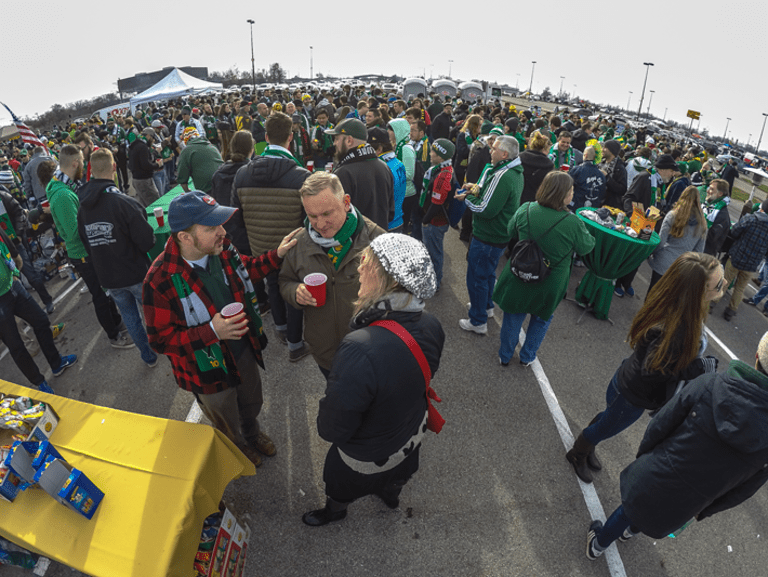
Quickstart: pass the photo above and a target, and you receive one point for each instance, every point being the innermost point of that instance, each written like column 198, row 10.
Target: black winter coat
column 615, row 183
column 140, row 160
column 369, row 183
column 221, row 191
column 647, row 389
column 441, row 126
column 706, row 451
column 718, row 232
column 375, row 399
column 536, row 165
column 115, row 232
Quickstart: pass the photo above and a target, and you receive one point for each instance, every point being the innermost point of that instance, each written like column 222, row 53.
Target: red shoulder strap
column 411, row 343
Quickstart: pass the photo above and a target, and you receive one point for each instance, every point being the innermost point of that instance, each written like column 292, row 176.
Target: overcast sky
column 707, row 55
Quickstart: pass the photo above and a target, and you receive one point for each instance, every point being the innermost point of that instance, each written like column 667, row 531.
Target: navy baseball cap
column 196, row 207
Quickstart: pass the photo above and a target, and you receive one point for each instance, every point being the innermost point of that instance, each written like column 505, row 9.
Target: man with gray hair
column 334, row 235
column 493, row 202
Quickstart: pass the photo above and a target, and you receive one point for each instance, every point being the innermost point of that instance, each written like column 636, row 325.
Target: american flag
column 26, row 133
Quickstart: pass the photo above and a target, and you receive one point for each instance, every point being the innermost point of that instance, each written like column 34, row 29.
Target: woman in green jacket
column 517, row 298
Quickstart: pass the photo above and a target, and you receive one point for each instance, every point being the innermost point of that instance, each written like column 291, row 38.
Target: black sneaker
column 282, row 336
column 593, row 547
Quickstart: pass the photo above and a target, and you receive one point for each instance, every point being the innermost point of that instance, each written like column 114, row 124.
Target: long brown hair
column 554, row 189
column 689, row 205
column 676, row 305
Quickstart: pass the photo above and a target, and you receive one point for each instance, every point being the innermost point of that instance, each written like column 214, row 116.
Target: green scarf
column 399, row 148
column 7, row 271
column 711, row 209
column 337, row 247
column 279, row 153
column 657, row 192
column 490, row 170
column 741, row 370
column 554, row 156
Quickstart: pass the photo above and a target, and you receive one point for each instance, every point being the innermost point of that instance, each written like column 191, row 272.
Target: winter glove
column 708, row 364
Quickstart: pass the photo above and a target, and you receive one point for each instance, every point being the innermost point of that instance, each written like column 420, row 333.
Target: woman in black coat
column 375, row 406
column 706, row 451
column 536, row 165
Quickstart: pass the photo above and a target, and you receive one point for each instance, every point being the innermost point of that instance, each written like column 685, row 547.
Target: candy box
column 10, row 484
column 222, row 544
column 69, row 486
column 235, row 553
column 639, row 220
column 20, row 461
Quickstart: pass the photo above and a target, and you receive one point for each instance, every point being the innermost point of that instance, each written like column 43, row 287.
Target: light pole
column 311, row 63
column 449, row 68
column 650, row 99
column 748, row 139
column 253, row 59
column 561, row 86
column 628, row 99
column 533, row 67
column 726, row 127
column 642, row 94
column 665, row 114
column 517, row 82
column 759, row 140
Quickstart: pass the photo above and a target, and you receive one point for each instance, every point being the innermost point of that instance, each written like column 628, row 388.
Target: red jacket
column 167, row 327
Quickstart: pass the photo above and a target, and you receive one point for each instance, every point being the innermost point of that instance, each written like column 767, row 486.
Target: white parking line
column 594, row 506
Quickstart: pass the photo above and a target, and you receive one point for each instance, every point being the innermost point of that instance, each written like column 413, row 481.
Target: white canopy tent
column 175, row 85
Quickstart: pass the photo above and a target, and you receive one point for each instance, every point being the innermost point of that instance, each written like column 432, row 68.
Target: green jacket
column 199, row 160
column 64, row 207
column 570, row 235
column 496, row 204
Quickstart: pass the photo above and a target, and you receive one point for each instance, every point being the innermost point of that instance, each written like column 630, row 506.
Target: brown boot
column 577, row 457
column 251, row 454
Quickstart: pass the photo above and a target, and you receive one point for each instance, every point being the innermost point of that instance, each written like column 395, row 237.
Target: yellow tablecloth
column 161, row 479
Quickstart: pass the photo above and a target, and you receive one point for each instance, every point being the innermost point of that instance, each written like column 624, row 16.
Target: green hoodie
column 64, row 207
column 405, row 152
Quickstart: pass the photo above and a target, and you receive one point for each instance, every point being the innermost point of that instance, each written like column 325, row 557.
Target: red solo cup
column 231, row 310
column 159, row 216
column 316, row 286
column 311, row 165
column 45, row 204
column 329, row 167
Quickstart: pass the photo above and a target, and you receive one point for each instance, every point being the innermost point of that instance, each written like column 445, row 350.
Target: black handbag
column 526, row 260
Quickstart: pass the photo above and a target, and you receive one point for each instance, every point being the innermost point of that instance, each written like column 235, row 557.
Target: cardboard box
column 42, row 431
column 70, row 487
column 10, row 484
column 222, row 544
column 235, row 552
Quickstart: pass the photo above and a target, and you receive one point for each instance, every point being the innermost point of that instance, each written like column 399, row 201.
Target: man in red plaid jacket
column 214, row 357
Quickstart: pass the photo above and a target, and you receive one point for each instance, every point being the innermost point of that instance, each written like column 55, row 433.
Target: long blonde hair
column 385, row 284
column 689, row 205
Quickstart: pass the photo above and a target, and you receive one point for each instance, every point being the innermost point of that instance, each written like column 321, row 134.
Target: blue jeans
column 433, row 240
column 18, row 303
column 481, row 278
column 128, row 300
column 34, row 276
column 510, row 335
column 761, row 293
column 160, row 177
column 618, row 415
column 614, row 526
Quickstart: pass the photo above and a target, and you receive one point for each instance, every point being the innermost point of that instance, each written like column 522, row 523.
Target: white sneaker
column 467, row 325
column 488, row 312
column 84, row 289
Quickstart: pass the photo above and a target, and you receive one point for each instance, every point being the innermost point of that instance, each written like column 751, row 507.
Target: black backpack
column 526, row 260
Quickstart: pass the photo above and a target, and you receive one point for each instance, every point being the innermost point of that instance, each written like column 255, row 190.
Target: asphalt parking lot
column 494, row 495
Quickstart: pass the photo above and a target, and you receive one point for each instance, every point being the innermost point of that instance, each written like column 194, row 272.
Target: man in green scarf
column 715, row 209
column 334, row 234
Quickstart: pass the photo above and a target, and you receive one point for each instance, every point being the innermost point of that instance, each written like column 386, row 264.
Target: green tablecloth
column 162, row 233
column 615, row 254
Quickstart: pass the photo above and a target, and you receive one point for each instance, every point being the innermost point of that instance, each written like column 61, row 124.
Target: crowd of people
column 360, row 187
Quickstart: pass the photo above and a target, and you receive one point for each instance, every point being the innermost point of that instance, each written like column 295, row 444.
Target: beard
column 341, row 151
column 79, row 173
